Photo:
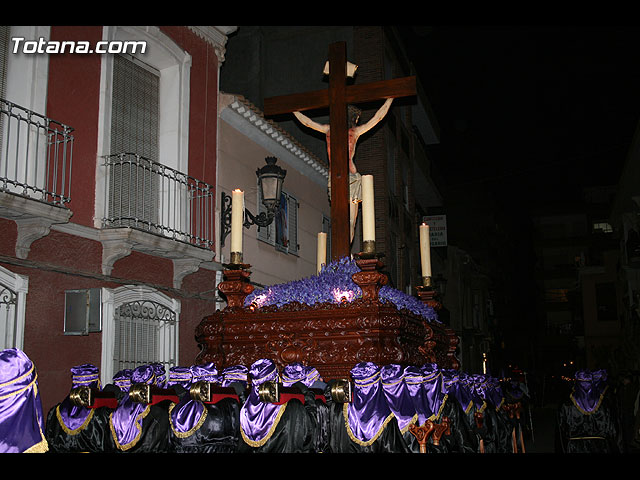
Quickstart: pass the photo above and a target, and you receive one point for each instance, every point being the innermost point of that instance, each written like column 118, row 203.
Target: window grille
column 8, row 317
column 13, row 291
column 145, row 332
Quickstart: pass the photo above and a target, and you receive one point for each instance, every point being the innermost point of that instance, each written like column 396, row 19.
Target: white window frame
column 19, row 284
column 174, row 65
column 27, row 74
column 111, row 300
column 268, row 234
column 26, row 84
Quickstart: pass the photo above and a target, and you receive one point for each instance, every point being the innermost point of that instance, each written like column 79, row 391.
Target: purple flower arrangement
column 333, row 284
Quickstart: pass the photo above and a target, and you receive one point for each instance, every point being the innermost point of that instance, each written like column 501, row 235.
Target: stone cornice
column 118, row 243
column 215, row 36
column 247, row 118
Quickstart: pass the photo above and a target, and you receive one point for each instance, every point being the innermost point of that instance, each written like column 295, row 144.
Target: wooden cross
column 337, row 97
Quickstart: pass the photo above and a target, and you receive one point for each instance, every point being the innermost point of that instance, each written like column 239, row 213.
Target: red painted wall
column 73, row 99
column 56, row 263
column 203, row 105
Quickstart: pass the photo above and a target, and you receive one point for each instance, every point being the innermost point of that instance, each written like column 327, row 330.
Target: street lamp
column 270, row 180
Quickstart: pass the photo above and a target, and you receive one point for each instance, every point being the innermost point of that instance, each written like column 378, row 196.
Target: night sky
column 528, row 117
column 534, row 112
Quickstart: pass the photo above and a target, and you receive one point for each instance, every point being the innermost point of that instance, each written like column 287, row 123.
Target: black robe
column 153, row 436
column 322, row 442
column 390, row 440
column 295, row 432
column 92, row 436
column 461, row 438
column 217, row 432
column 597, row 432
column 490, row 429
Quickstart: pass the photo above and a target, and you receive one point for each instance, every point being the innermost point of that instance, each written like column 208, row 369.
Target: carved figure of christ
column 355, row 131
column 336, row 98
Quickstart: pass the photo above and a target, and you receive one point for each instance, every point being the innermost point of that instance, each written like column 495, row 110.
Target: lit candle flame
column 343, row 295
column 259, row 300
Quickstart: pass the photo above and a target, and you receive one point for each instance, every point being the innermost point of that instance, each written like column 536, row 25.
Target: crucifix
column 337, row 97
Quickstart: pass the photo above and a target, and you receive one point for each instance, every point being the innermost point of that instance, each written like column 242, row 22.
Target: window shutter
column 293, row 224
column 326, row 228
column 4, row 53
column 135, row 108
column 134, row 184
column 287, row 240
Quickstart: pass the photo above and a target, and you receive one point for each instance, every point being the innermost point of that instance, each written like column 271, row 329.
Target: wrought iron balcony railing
column 36, row 155
column 149, row 196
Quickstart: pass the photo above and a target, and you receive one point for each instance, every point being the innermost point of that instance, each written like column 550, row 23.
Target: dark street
column 542, row 440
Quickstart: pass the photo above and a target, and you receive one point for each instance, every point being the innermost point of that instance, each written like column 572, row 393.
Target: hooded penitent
column 75, row 418
column 235, row 373
column 122, row 379
column 368, row 413
column 258, row 419
column 297, row 372
column 188, row 415
column 426, row 389
column 588, row 390
column 126, row 420
column 454, row 386
column 21, row 418
column 398, row 396
column 179, row 376
column 159, row 372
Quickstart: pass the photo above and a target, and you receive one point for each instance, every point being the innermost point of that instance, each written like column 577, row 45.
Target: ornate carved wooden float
column 358, row 324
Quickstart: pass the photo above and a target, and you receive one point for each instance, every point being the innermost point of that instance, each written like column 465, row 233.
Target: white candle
column 322, row 251
column 237, row 219
column 425, row 250
column 368, row 209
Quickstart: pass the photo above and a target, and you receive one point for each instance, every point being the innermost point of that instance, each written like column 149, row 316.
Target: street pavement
column 542, row 439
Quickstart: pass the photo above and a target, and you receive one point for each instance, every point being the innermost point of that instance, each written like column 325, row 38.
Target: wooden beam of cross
column 337, row 97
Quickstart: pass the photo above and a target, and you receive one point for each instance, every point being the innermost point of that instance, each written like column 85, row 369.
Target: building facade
column 108, row 177
column 112, row 175
column 286, row 249
column 625, row 221
column 580, row 300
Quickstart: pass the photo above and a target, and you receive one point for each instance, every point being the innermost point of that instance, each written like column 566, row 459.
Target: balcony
column 35, row 172
column 155, row 209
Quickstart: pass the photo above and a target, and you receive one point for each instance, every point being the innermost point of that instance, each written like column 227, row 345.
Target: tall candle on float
column 368, row 214
column 322, row 251
column 237, row 220
column 425, row 250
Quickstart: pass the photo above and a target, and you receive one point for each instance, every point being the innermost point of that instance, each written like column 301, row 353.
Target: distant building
column 625, row 220
column 580, row 302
